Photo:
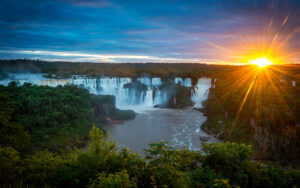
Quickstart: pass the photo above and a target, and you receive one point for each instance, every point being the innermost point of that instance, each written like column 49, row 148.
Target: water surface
column 181, row 128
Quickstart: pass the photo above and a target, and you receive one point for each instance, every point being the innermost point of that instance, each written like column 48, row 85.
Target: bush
column 164, row 168
column 117, row 180
column 10, row 167
column 205, row 177
column 230, row 160
column 273, row 175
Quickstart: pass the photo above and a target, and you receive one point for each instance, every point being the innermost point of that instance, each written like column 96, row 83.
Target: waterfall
column 188, row 82
column 201, row 91
column 156, row 82
column 115, row 86
column 178, row 80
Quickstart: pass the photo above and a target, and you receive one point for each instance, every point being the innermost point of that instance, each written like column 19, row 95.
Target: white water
column 181, row 128
column 125, row 98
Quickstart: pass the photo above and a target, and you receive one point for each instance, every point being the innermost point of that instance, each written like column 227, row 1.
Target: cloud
column 165, row 29
column 79, row 56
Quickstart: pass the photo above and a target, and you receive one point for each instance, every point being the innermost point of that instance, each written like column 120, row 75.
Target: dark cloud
column 182, row 29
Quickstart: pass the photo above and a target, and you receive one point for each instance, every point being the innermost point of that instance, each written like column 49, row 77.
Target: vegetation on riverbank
column 180, row 96
column 261, row 109
column 104, row 107
column 39, row 117
column 103, row 165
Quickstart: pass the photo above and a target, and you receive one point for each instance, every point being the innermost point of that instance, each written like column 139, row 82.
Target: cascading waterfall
column 153, row 95
column 201, row 90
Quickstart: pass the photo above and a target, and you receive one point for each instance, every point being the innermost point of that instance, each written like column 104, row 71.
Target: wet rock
column 204, row 138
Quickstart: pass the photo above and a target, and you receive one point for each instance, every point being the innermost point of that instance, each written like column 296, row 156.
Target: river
column 180, row 127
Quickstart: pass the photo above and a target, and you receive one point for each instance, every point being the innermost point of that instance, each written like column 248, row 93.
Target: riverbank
column 269, row 122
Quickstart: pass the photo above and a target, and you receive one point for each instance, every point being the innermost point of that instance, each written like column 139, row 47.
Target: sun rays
column 261, row 62
column 260, row 83
column 267, row 50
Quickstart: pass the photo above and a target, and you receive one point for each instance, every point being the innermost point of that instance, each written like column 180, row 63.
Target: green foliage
column 165, row 167
column 100, row 144
column 117, row 180
column 54, row 117
column 73, row 168
column 273, row 175
column 229, row 159
column 41, row 168
column 205, row 177
column 293, row 178
column 65, row 69
column 10, row 167
column 11, row 132
column 103, row 165
column 222, row 183
column 259, row 108
column 228, row 129
column 208, row 178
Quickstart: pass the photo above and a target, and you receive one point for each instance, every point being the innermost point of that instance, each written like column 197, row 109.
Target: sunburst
column 261, row 62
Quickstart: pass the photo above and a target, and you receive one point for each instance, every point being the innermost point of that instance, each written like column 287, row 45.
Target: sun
column 261, row 62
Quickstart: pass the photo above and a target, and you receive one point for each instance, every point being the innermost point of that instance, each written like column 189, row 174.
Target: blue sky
column 198, row 31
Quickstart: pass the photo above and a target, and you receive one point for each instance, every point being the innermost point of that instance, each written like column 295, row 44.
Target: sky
column 186, row 31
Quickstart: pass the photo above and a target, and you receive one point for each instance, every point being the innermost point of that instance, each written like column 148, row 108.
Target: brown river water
column 181, row 128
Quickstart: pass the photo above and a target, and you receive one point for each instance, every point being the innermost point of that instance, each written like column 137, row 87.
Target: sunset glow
column 226, row 32
column 261, row 62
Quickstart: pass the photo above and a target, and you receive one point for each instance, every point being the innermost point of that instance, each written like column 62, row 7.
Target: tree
column 163, row 169
column 117, row 180
column 12, row 134
column 230, row 160
column 10, row 167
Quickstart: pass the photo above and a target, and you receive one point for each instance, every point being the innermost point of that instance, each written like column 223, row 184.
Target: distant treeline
column 163, row 70
column 66, row 69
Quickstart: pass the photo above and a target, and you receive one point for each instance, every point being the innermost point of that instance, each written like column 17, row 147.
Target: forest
column 67, row 69
column 53, row 136
column 150, row 94
column 43, row 117
column 261, row 109
column 50, row 138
